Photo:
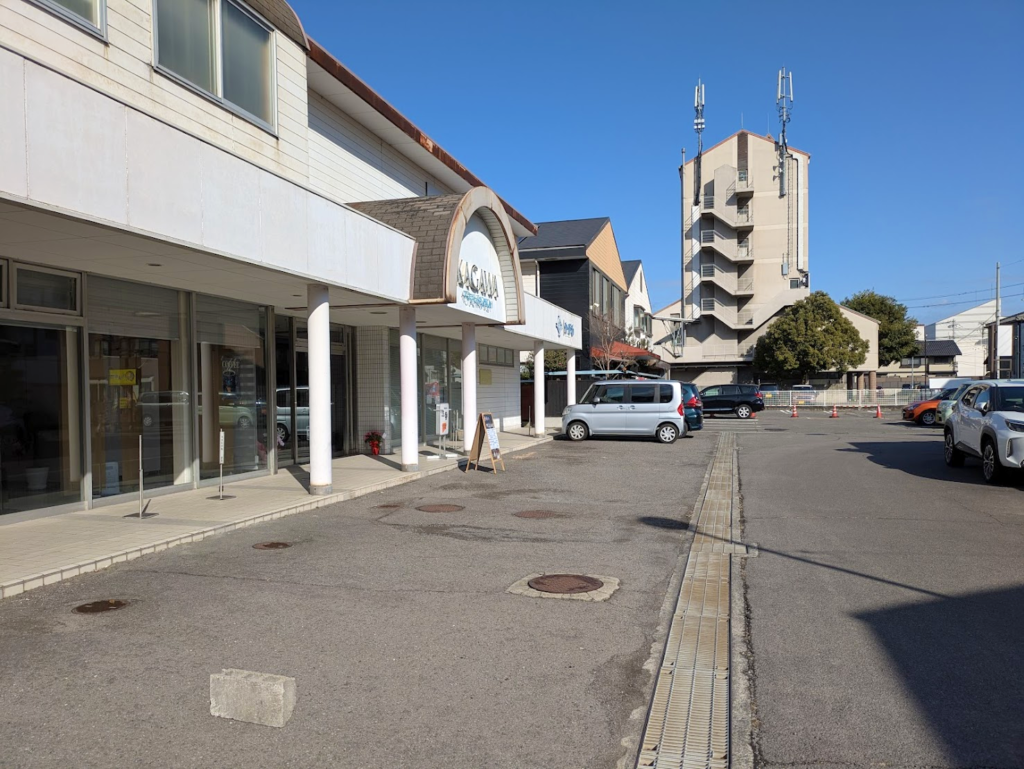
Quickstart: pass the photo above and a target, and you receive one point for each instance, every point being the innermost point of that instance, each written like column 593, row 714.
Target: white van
column 627, row 407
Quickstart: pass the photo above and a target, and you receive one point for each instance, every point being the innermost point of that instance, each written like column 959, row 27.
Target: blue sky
column 912, row 112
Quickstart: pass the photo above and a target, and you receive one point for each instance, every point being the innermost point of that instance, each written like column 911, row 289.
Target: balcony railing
column 707, row 202
column 745, row 285
column 743, row 182
column 744, row 251
column 708, row 270
column 707, row 236
column 745, row 318
column 744, row 215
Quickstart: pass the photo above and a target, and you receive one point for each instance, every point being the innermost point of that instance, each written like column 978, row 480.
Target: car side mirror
column 597, row 400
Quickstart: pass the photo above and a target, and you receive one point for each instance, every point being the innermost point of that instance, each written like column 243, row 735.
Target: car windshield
column 1011, row 399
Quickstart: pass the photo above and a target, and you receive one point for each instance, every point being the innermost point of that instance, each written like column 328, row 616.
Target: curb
column 52, row 576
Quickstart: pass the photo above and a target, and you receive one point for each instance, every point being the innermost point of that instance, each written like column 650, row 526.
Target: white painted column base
column 409, row 389
column 468, row 385
column 570, row 377
column 538, row 390
column 319, row 329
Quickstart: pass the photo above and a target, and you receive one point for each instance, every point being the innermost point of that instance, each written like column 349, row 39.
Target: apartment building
column 219, row 246
column 638, row 315
column 745, row 257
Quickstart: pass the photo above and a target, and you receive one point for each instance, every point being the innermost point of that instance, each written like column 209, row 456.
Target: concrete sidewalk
column 47, row 550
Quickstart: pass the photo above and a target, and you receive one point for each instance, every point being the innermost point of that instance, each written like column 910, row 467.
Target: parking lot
column 406, row 648
column 885, row 607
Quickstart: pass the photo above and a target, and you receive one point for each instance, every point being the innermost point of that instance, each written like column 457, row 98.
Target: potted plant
column 374, row 439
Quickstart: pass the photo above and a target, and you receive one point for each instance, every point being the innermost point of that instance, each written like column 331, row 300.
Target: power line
column 961, row 293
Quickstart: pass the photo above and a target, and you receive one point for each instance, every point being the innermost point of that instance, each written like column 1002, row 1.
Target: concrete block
column 256, row 698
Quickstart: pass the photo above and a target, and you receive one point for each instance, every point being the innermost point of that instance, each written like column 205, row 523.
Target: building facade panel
column 125, row 70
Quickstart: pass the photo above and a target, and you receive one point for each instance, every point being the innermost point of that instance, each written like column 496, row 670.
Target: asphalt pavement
column 406, row 648
column 886, row 605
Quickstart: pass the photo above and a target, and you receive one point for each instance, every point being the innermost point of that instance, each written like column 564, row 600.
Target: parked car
column 693, row 407
column 924, row 412
column 284, row 413
column 804, row 395
column 160, row 405
column 770, row 393
column 946, row 404
column 742, row 400
column 988, row 422
column 629, row 407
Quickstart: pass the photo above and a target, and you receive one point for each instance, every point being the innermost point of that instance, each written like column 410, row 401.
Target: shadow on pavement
column 961, row 659
column 662, row 523
column 924, row 460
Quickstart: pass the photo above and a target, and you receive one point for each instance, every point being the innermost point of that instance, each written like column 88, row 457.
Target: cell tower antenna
column 698, row 127
column 784, row 104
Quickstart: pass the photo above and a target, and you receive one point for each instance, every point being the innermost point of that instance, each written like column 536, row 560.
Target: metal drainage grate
column 386, row 507
column 271, row 545
column 440, row 508
column 565, row 583
column 537, row 514
column 95, row 607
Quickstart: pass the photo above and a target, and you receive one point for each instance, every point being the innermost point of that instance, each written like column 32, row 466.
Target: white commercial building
column 969, row 329
column 197, row 269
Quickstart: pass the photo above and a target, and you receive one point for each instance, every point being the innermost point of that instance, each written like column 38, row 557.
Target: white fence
column 826, row 399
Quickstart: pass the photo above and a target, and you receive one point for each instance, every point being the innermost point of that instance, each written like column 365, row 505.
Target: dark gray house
column 575, row 264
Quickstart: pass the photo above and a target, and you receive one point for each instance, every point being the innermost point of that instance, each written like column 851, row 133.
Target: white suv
column 988, row 422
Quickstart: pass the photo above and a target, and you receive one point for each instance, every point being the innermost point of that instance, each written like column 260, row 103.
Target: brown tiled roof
column 428, row 221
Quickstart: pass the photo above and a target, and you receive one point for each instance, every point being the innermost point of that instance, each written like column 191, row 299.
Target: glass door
column 40, row 417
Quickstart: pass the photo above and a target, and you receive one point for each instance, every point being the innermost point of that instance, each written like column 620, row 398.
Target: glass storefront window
column 232, row 386
column 138, row 387
column 286, row 430
column 40, row 417
column 45, row 289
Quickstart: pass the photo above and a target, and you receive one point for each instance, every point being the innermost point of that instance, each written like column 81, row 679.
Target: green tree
column 811, row 336
column 895, row 331
column 554, row 360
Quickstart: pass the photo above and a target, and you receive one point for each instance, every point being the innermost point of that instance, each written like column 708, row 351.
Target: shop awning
column 621, row 351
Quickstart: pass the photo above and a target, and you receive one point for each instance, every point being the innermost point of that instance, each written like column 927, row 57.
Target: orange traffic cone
column 794, row 415
column 878, row 412
column 835, row 414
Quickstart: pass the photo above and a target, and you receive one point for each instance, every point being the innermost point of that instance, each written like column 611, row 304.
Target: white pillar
column 318, row 325
column 410, row 403
column 468, row 385
column 570, row 376
column 538, row 388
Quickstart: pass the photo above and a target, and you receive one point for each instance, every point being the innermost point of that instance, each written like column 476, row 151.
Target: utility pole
column 993, row 356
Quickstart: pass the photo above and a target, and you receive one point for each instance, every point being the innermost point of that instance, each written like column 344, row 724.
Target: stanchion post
column 140, row 476
column 220, row 485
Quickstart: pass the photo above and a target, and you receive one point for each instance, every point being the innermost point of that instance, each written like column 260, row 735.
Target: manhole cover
column 271, row 545
column 565, row 583
column 537, row 514
column 440, row 508
column 95, row 607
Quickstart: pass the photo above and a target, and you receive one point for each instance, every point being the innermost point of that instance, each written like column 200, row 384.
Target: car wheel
column 147, row 421
column 927, row 419
column 282, row 435
column 244, row 423
column 577, row 431
column 991, row 467
column 743, row 411
column 668, row 433
column 954, row 457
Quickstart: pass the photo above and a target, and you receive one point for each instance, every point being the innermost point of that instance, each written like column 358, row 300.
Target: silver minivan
column 628, row 407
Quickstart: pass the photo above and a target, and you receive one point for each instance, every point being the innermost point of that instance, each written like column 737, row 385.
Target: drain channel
column 271, row 545
column 538, row 514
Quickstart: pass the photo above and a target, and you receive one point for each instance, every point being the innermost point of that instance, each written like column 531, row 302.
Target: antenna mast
column 698, row 126
column 784, row 104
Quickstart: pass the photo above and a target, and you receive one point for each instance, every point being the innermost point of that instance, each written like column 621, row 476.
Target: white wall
column 351, row 164
column 87, row 155
column 123, row 68
column 502, row 396
column 968, row 330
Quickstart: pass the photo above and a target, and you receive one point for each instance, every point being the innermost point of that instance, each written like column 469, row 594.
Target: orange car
column 923, row 412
